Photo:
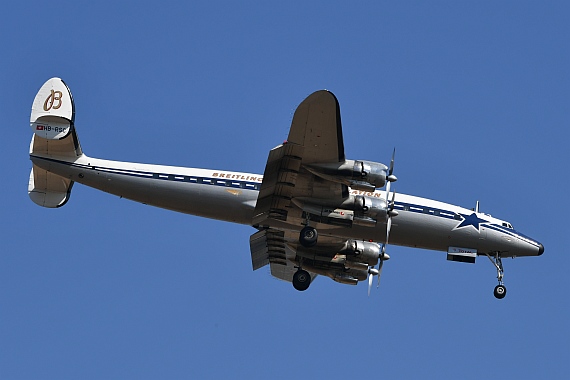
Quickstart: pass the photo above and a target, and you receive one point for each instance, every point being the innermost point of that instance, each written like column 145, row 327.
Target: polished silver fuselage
column 232, row 197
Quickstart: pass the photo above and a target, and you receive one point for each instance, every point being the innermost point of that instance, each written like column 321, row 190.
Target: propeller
column 389, row 214
column 383, row 256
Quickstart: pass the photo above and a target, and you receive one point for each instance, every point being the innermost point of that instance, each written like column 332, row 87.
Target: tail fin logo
column 51, row 100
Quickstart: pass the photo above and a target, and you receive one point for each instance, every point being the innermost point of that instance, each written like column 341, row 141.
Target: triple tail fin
column 52, row 121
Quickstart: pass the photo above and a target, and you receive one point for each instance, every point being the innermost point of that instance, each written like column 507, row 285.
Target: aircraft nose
column 540, row 249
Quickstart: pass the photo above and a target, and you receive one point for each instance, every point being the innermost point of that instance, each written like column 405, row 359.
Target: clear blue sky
column 474, row 96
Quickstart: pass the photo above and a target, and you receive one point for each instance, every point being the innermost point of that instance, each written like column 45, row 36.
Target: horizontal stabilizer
column 53, row 111
column 47, row 189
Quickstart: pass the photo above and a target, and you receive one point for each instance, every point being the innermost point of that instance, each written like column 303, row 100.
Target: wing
column 306, row 183
column 315, row 137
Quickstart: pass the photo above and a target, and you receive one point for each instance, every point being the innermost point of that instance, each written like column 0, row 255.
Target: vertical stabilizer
column 47, row 189
column 52, row 121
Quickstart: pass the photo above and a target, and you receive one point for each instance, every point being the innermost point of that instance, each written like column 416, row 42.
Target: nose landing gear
column 500, row 290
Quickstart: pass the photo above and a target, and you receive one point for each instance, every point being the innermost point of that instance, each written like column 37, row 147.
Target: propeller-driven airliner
column 315, row 212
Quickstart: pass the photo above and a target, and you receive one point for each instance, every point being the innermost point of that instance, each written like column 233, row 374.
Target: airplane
column 315, row 212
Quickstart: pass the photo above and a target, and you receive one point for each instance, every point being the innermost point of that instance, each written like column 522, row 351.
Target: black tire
column 500, row 292
column 301, row 280
column 308, row 237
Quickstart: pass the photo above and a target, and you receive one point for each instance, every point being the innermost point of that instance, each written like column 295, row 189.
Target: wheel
column 500, row 291
column 301, row 280
column 308, row 237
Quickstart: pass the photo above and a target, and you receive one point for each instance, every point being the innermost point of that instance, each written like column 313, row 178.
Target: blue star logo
column 471, row 220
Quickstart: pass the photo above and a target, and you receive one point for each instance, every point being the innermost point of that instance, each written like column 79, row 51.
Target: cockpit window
column 508, row 225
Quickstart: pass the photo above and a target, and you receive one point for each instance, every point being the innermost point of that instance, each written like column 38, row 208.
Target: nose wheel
column 500, row 290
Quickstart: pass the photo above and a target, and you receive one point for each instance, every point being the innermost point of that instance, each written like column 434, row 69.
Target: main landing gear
column 308, row 237
column 500, row 290
column 301, row 280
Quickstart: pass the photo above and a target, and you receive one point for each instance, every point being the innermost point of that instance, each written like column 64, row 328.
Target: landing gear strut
column 500, row 290
column 301, row 280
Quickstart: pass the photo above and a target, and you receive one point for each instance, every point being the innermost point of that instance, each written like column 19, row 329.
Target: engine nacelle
column 359, row 175
column 376, row 208
column 361, row 251
column 350, row 276
column 344, row 278
column 370, row 173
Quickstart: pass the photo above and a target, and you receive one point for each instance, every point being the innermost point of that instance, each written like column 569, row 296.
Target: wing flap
column 283, row 272
column 267, row 247
column 279, row 180
column 286, row 272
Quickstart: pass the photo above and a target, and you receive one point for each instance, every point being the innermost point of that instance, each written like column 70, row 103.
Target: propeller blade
column 380, row 271
column 392, row 163
column 391, row 177
column 371, row 273
column 388, row 227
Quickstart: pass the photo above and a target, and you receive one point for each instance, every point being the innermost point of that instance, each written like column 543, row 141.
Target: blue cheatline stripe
column 231, row 183
column 249, row 185
column 420, row 209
